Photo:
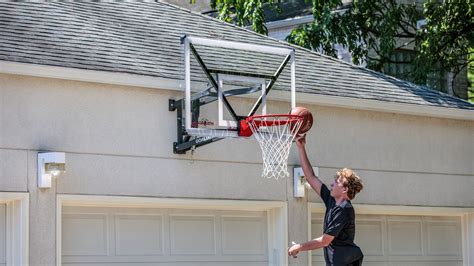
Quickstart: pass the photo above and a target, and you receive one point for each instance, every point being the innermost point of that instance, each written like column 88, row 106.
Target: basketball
column 307, row 119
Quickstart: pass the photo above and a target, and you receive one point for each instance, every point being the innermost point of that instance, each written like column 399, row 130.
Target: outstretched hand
column 294, row 250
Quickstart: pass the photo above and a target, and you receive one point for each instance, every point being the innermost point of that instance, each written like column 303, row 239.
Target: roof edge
column 289, row 22
column 87, row 75
column 386, row 107
column 127, row 79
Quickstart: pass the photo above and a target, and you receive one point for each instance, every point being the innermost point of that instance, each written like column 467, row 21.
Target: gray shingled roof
column 144, row 38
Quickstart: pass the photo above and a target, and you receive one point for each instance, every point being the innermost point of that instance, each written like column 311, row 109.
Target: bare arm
column 320, row 242
column 312, row 179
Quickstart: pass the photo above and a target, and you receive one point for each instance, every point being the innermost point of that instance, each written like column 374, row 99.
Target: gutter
column 289, row 22
column 293, row 21
column 125, row 79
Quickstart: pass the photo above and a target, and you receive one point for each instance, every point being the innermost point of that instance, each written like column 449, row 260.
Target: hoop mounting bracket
column 186, row 142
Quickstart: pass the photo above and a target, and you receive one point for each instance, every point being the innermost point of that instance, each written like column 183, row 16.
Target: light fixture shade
column 49, row 165
column 55, row 168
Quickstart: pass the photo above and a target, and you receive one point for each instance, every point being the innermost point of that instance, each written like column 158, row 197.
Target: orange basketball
column 307, row 118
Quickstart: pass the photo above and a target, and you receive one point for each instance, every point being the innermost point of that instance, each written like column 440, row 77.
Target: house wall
column 118, row 141
column 397, row 151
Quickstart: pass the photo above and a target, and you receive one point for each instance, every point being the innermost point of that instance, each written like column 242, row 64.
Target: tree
column 447, row 40
column 470, row 76
column 244, row 12
column 374, row 30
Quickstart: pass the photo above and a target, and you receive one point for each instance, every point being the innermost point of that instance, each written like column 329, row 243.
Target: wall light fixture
column 50, row 164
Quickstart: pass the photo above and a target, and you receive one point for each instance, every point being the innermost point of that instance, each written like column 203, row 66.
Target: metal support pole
column 293, row 80
column 187, row 82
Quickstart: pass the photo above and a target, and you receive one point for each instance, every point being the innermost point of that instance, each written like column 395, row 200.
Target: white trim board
column 77, row 74
column 145, row 202
column 178, row 85
column 277, row 215
column 17, row 212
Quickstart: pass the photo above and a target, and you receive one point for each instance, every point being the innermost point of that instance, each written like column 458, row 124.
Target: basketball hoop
column 274, row 133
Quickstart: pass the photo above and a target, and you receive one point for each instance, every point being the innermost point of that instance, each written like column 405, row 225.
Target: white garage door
column 128, row 236
column 403, row 240
column 3, row 237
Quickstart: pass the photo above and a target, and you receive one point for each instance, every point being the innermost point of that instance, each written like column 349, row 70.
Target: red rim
column 285, row 119
column 258, row 121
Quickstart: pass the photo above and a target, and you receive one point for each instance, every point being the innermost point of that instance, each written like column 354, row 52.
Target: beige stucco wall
column 403, row 159
column 118, row 141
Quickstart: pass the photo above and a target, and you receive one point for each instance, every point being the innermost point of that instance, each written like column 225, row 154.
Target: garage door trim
column 277, row 215
column 17, row 209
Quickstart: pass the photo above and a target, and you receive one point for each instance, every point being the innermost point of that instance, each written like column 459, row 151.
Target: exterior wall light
column 50, row 164
column 299, row 181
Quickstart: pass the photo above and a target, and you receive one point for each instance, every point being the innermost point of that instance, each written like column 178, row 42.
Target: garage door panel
column 139, row 235
column 206, row 263
column 151, row 236
column 3, row 234
column 172, row 260
column 370, row 237
column 85, row 234
column 191, row 235
column 443, row 238
column 244, row 235
column 404, row 238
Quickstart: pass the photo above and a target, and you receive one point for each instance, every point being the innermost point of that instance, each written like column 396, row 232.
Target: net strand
column 275, row 138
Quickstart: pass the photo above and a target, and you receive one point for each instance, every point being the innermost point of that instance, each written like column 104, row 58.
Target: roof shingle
column 144, row 38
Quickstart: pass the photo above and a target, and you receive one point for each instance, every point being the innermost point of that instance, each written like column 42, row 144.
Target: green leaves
column 243, row 12
column 376, row 31
column 447, row 37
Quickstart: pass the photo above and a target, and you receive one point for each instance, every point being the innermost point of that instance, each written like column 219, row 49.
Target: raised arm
column 312, row 179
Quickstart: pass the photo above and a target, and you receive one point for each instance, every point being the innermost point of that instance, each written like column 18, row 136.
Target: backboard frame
column 190, row 137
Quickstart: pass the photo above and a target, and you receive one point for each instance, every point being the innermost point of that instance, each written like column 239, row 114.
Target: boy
column 339, row 220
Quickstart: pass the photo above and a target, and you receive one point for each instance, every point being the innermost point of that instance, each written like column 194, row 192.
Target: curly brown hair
column 351, row 181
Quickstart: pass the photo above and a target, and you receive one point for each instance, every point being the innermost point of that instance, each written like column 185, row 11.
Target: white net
column 275, row 134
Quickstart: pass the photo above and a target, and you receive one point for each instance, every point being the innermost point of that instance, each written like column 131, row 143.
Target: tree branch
column 409, row 25
column 404, row 29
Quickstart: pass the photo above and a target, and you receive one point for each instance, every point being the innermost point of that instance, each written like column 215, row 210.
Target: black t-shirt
column 339, row 221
